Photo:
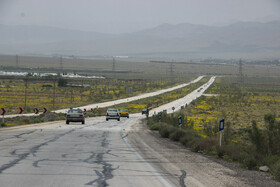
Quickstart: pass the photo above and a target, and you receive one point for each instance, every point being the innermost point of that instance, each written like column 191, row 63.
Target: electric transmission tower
column 171, row 70
column 114, row 65
column 17, row 61
column 61, row 65
column 241, row 71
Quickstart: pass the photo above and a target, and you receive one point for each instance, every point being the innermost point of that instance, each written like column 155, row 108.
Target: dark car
column 75, row 115
column 144, row 111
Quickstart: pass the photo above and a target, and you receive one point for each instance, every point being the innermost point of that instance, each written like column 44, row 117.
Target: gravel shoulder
column 185, row 168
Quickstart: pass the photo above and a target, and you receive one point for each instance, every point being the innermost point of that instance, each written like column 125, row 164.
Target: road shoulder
column 185, row 168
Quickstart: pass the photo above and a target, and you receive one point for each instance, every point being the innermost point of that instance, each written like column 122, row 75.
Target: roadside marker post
column 3, row 114
column 159, row 116
column 36, row 111
column 180, row 121
column 221, row 129
column 20, row 112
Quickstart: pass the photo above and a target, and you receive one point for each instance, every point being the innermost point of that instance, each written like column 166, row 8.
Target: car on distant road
column 75, row 115
column 112, row 113
column 144, row 111
column 124, row 113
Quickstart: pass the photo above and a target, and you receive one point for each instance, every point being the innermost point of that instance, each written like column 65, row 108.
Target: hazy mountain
column 242, row 39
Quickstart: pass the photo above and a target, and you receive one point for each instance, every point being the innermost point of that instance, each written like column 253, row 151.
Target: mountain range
column 238, row 40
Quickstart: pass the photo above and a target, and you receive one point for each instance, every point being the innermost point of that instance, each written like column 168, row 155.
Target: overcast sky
column 118, row 16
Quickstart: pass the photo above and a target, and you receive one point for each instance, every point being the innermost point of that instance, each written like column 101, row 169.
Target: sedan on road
column 124, row 113
column 113, row 113
column 75, row 115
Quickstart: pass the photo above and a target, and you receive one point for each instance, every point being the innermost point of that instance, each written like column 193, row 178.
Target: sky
column 122, row 16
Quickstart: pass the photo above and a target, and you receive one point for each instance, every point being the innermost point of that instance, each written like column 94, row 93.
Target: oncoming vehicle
column 75, row 115
column 112, row 113
column 144, row 111
column 124, row 113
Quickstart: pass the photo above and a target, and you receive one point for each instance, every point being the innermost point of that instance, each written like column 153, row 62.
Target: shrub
column 248, row 161
column 256, row 136
column 270, row 160
column 276, row 170
column 3, row 124
column 177, row 134
column 164, row 131
column 208, row 144
column 220, row 152
column 154, row 126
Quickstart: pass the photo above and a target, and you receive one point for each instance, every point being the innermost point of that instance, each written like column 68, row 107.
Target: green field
column 252, row 122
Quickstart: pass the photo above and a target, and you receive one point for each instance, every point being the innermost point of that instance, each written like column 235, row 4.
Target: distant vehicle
column 199, row 90
column 113, row 113
column 75, row 115
column 144, row 111
column 124, row 113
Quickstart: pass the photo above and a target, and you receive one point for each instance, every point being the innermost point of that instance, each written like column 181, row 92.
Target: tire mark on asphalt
column 182, row 177
column 32, row 151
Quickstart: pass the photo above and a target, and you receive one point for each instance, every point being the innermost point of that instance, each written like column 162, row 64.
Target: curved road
column 103, row 153
column 115, row 102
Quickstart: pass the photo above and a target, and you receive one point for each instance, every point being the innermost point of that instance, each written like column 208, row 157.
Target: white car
column 113, row 113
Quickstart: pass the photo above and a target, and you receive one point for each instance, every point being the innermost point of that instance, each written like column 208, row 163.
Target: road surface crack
column 32, row 151
column 106, row 173
column 182, row 177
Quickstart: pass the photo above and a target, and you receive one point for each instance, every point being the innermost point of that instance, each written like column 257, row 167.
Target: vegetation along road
column 101, row 153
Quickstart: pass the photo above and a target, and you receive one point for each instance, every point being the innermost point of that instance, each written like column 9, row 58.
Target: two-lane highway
column 105, row 153
column 96, row 154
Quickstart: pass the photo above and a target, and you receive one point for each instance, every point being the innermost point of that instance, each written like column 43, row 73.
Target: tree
column 62, row 82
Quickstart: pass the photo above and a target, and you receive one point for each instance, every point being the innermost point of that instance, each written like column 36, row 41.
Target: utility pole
column 25, row 92
column 114, row 65
column 241, row 71
column 171, row 69
column 61, row 65
column 54, row 93
column 17, row 61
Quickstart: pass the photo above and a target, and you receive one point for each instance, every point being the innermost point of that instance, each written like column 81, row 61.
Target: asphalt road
column 102, row 153
column 94, row 154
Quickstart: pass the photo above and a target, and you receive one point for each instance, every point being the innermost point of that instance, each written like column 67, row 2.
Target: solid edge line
column 160, row 178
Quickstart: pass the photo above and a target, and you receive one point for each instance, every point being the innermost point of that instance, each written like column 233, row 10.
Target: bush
column 177, row 134
column 164, row 131
column 208, row 144
column 248, row 161
column 276, row 170
column 220, row 152
column 3, row 124
column 154, row 126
